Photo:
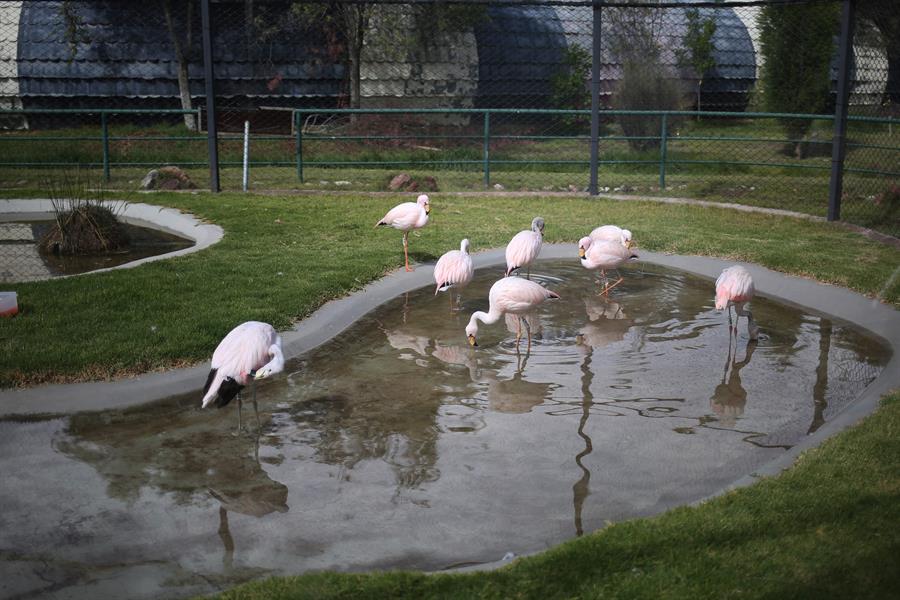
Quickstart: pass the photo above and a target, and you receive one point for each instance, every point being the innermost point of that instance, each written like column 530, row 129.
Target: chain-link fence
column 732, row 102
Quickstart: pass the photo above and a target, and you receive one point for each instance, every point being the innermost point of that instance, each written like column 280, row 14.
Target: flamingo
column 612, row 233
column 406, row 217
column 510, row 295
column 734, row 287
column 250, row 351
column 604, row 255
column 454, row 269
column 524, row 247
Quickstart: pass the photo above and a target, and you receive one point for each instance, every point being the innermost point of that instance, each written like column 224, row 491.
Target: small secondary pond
column 21, row 261
column 395, row 445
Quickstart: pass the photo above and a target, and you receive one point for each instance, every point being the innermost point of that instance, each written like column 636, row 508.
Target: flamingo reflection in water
column 730, row 397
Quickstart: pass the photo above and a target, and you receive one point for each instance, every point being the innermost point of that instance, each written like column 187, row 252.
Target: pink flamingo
column 612, row 233
column 510, row 295
column 454, row 269
column 604, row 255
column 250, row 351
column 406, row 217
column 734, row 287
column 524, row 247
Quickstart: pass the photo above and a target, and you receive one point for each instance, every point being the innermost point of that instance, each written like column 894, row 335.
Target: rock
column 399, row 182
column 167, row 178
column 499, row 187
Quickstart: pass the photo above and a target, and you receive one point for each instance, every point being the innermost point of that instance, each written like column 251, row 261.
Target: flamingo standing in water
column 454, row 269
column 611, row 233
column 406, row 217
column 524, row 247
column 250, row 351
column 734, row 287
column 510, row 295
column 604, row 255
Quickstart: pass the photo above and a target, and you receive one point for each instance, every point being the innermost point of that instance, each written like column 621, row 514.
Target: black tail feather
column 227, row 391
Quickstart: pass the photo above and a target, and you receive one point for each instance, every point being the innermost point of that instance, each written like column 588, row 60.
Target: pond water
column 395, row 445
column 20, row 259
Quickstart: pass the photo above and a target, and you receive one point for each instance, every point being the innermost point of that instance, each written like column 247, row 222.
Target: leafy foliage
column 570, row 86
column 797, row 45
column 699, row 49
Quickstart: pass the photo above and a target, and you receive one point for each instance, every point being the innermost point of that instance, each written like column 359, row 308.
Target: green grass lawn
column 827, row 528
column 284, row 256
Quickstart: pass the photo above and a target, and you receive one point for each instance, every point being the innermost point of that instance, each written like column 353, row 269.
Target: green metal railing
column 663, row 160
column 104, row 138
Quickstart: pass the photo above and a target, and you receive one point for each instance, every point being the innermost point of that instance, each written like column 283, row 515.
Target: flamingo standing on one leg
column 510, row 295
column 604, row 255
column 406, row 217
column 250, row 351
column 734, row 287
column 611, row 233
column 454, row 269
column 524, row 247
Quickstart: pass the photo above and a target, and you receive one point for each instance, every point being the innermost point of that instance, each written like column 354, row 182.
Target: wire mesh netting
column 728, row 102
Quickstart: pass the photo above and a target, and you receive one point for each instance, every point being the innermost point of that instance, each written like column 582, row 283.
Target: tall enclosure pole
column 595, row 99
column 838, row 147
column 212, row 135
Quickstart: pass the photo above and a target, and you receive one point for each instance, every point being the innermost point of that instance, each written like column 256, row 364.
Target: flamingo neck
column 276, row 365
column 488, row 318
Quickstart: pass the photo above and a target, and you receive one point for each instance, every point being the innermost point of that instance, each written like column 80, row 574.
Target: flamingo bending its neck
column 524, row 247
column 510, row 295
column 734, row 287
column 611, row 233
column 250, row 351
column 454, row 269
column 406, row 217
column 604, row 255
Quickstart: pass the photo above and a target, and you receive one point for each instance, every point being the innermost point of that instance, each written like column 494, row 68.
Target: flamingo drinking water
column 510, row 295
column 734, row 287
column 250, row 351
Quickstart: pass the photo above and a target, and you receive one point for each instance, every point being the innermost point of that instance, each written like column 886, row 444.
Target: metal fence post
column 838, row 146
column 298, row 145
column 595, row 100
column 663, row 147
column 212, row 137
column 487, row 148
column 104, row 127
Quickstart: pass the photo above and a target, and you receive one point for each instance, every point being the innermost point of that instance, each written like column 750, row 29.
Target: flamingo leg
column 256, row 409
column 406, row 249
column 609, row 287
column 518, row 332
column 239, row 405
column 528, row 329
column 728, row 310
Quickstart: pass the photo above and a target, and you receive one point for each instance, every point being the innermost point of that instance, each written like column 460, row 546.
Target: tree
column 798, row 47
column 884, row 16
column 180, row 34
column 570, row 85
column 645, row 82
column 406, row 28
column 698, row 52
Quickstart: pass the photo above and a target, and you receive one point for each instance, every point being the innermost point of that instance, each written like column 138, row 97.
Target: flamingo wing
column 522, row 249
column 404, row 216
column 518, row 295
column 454, row 268
column 244, row 349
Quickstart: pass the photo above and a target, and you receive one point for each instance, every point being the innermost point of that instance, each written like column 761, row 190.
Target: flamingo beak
column 259, row 374
column 427, row 209
column 472, row 341
column 629, row 244
column 580, row 252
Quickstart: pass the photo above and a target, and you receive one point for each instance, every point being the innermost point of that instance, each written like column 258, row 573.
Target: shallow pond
column 395, row 445
column 20, row 259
